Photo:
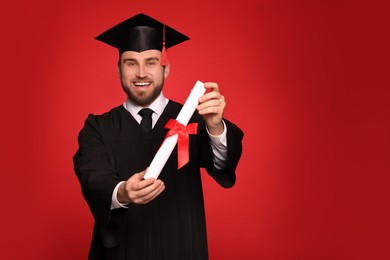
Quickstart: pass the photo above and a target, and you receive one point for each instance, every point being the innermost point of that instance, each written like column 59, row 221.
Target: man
column 164, row 218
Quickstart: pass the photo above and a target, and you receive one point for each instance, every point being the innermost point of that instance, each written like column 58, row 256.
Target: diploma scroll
column 169, row 143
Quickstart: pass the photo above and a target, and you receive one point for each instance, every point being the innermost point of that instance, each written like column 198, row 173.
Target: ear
column 118, row 67
column 166, row 70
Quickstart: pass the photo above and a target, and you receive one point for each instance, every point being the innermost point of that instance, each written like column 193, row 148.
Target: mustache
column 141, row 79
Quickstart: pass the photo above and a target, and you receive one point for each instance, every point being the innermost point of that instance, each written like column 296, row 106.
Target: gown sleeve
column 94, row 167
column 225, row 177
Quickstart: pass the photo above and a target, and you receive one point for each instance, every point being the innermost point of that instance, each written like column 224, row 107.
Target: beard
column 143, row 99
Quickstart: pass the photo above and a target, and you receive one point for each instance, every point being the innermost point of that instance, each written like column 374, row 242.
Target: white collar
column 157, row 106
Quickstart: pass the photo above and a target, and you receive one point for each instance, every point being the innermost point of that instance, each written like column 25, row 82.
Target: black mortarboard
column 140, row 33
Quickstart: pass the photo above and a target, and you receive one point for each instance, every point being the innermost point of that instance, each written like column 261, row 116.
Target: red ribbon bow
column 183, row 133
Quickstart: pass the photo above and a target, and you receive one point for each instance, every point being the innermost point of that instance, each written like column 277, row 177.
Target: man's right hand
column 139, row 191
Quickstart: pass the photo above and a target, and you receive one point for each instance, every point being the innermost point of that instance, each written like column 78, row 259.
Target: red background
column 307, row 81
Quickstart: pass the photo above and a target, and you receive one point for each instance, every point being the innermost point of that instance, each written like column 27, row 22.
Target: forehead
column 141, row 55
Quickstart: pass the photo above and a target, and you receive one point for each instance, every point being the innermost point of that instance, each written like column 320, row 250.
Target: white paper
column 169, row 143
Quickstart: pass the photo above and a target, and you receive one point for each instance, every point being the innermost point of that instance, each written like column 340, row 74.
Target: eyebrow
column 135, row 60
column 152, row 58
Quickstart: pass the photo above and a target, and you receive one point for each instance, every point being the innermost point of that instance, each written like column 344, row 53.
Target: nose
column 141, row 73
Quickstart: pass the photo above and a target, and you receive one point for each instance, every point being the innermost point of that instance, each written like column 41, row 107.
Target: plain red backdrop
column 307, row 81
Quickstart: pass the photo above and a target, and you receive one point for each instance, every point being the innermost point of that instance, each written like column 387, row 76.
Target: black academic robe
column 112, row 147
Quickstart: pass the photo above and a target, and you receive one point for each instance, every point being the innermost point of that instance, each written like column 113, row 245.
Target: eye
column 130, row 64
column 151, row 63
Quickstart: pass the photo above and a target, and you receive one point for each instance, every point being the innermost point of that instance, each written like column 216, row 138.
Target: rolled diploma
column 169, row 143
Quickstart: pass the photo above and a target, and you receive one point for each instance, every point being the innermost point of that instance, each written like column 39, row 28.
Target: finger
column 211, row 99
column 140, row 183
column 149, row 188
column 212, row 91
column 157, row 194
column 212, row 106
column 142, row 174
column 149, row 193
column 211, row 85
column 209, row 96
column 153, row 194
column 213, row 103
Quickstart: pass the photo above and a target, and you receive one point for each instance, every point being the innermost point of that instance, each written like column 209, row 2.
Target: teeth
column 142, row 84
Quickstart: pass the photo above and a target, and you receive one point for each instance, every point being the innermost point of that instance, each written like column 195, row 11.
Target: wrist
column 217, row 129
column 121, row 195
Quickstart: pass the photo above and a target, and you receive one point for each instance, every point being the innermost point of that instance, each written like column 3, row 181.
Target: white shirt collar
column 157, row 106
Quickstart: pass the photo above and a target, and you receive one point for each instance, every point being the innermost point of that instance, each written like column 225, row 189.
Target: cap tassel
column 164, row 54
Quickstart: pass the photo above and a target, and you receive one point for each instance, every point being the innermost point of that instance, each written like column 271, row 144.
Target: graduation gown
column 112, row 147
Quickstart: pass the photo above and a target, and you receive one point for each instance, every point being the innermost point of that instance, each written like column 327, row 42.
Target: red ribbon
column 183, row 133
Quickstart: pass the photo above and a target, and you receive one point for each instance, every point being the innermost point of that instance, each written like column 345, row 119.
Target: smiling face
column 142, row 76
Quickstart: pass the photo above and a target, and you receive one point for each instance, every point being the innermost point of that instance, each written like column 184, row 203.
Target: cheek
column 125, row 74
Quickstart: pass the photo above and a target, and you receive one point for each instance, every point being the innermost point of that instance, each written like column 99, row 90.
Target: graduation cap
column 140, row 33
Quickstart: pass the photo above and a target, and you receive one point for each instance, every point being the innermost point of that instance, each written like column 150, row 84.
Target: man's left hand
column 211, row 107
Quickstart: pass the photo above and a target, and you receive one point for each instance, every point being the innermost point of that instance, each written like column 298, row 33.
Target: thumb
column 142, row 174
